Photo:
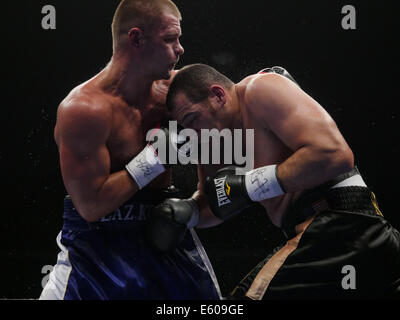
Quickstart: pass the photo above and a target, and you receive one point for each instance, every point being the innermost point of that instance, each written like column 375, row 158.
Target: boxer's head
column 148, row 30
column 200, row 97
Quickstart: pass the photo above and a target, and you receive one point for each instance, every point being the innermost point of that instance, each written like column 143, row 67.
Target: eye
column 189, row 118
column 192, row 119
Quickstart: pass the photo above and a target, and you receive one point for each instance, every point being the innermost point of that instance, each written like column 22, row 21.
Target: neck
column 125, row 78
column 233, row 101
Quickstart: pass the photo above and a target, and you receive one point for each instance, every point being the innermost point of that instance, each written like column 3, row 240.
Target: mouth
column 172, row 65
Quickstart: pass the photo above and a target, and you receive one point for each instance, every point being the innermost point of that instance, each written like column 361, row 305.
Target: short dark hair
column 138, row 13
column 194, row 81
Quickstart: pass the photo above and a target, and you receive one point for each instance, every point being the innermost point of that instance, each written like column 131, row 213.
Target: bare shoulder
column 264, row 85
column 82, row 101
column 261, row 92
column 84, row 114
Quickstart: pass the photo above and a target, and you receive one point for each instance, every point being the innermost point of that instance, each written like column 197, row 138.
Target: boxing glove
column 154, row 158
column 167, row 223
column 279, row 70
column 231, row 190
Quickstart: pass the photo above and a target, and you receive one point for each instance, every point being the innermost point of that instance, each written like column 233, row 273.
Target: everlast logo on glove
column 226, row 192
column 222, row 196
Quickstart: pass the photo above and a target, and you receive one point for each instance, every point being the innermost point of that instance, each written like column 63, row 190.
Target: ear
column 135, row 36
column 218, row 94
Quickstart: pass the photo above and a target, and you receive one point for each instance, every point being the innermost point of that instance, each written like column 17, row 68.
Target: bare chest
column 128, row 134
column 269, row 150
column 263, row 145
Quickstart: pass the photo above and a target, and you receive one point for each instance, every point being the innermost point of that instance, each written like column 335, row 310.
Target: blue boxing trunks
column 110, row 259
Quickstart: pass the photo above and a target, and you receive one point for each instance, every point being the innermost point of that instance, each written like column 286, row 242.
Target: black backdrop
column 352, row 73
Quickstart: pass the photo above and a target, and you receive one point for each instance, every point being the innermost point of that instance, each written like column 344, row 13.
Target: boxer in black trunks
column 304, row 177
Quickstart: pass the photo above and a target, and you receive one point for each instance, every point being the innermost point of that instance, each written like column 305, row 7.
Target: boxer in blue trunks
column 112, row 183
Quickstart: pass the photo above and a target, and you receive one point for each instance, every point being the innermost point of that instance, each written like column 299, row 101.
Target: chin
column 167, row 75
column 164, row 76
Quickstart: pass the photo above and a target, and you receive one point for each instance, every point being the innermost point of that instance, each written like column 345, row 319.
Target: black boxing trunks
column 110, row 259
column 338, row 245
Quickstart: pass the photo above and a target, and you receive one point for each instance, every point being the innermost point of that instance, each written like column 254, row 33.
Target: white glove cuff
column 145, row 167
column 262, row 183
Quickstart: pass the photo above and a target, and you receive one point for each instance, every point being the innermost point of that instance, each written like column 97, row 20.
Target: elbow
column 341, row 160
column 88, row 213
column 89, row 217
column 345, row 159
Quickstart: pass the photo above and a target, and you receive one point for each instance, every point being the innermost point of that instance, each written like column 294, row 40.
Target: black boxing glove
column 226, row 193
column 155, row 157
column 168, row 222
column 231, row 190
column 279, row 70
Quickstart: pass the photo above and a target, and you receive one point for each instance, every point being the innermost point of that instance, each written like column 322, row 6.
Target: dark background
column 352, row 73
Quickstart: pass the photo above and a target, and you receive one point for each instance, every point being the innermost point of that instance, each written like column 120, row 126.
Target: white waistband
column 353, row 181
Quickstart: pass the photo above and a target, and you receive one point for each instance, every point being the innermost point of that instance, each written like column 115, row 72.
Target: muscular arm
column 82, row 131
column 319, row 150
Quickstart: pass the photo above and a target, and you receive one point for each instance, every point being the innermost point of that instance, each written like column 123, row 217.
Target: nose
column 179, row 49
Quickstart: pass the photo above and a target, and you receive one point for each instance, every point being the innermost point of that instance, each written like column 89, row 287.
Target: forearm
column 307, row 167
column 106, row 197
column 310, row 166
column 206, row 218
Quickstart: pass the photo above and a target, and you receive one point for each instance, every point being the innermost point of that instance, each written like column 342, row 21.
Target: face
column 194, row 116
column 163, row 49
